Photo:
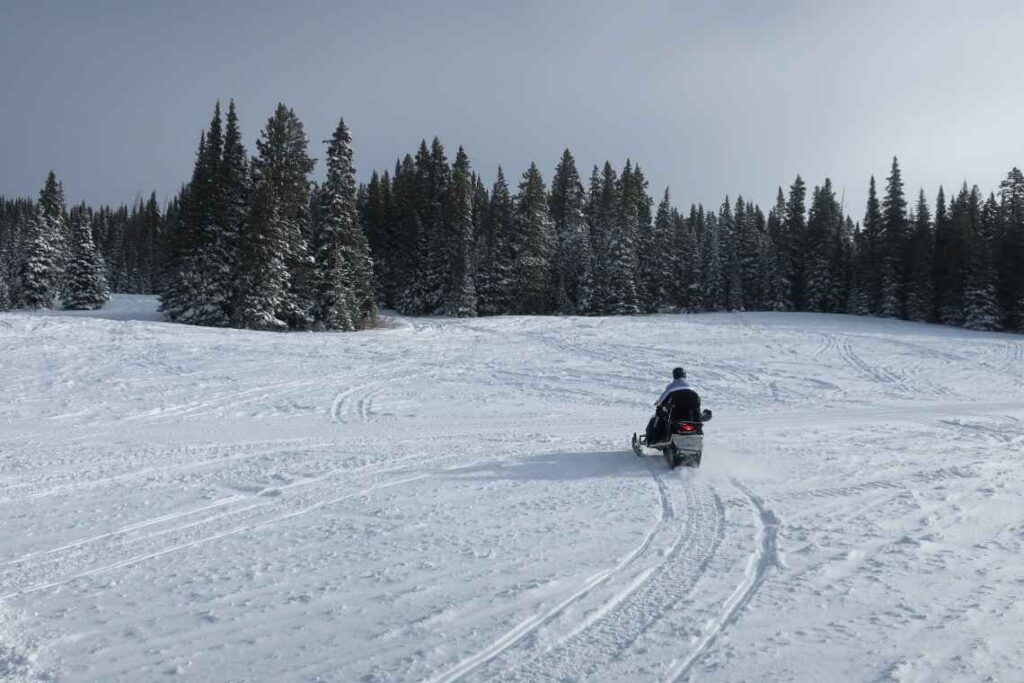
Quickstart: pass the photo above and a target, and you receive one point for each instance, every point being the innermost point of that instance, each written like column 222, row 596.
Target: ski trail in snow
column 264, row 497
column 193, row 544
column 764, row 557
column 528, row 626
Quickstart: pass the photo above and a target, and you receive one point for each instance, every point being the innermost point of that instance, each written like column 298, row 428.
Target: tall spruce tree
column 495, row 278
column 920, row 289
column 794, row 226
column 41, row 266
column 894, row 240
column 621, row 235
column 713, row 286
column 1011, row 262
column 343, row 266
column 981, row 301
column 86, row 282
column 947, row 274
column 572, row 258
column 459, row 296
column 532, row 244
column 277, row 275
column 823, row 224
column 54, row 211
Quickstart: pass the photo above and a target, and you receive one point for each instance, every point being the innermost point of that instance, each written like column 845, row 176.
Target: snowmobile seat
column 683, row 406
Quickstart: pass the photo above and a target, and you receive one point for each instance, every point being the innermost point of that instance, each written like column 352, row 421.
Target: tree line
column 253, row 242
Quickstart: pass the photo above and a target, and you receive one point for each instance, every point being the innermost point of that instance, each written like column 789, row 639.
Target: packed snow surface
column 449, row 500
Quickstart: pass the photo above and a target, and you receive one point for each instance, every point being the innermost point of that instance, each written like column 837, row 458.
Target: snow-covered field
column 456, row 500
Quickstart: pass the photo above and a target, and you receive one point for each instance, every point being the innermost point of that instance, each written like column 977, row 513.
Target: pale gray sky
column 710, row 97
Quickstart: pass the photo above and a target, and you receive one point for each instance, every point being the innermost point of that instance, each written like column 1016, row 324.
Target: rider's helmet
column 678, row 373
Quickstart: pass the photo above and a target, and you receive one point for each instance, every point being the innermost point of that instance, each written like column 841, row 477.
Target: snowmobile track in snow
column 694, row 530
column 532, row 624
column 130, row 561
column 762, row 559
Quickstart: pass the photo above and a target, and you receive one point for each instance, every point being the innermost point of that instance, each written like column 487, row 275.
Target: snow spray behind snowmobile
column 676, row 430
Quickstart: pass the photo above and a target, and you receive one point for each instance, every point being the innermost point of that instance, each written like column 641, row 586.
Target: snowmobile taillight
column 686, row 427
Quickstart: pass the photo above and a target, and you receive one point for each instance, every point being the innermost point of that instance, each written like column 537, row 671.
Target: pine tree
column 51, row 202
column 981, row 304
column 602, row 207
column 1011, row 262
column 781, row 286
column 948, row 271
column 657, row 259
column 621, row 234
column 495, row 284
column 532, row 244
column 920, row 290
column 713, row 284
column 277, row 276
column 823, row 226
column 793, row 228
column 200, row 288
column 41, row 266
column 435, row 178
column 343, row 266
column 376, row 225
column 232, row 209
column 572, row 259
column 894, row 238
column 86, row 282
column 459, row 290
column 729, row 236
column 686, row 267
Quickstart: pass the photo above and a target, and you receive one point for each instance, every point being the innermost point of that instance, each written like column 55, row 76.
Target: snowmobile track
column 764, row 557
column 128, row 562
column 696, row 530
column 532, row 624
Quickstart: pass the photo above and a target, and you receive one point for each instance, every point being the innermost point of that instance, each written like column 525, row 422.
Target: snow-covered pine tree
column 602, row 206
column 1011, row 276
column 343, row 269
column 276, row 276
column 458, row 296
column 51, row 202
column 729, row 240
column 750, row 252
column 232, row 211
column 495, row 284
column 435, row 177
column 712, row 271
column 657, row 259
column 920, row 288
column 894, row 239
column 981, row 301
column 412, row 238
column 85, row 286
column 376, row 226
column 621, row 234
column 781, row 287
column 794, row 227
column 687, row 244
column 532, row 244
column 187, row 296
column 821, row 223
column 572, row 259
column 41, row 267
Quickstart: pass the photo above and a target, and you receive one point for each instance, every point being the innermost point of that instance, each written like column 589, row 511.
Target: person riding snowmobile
column 678, row 383
column 664, row 407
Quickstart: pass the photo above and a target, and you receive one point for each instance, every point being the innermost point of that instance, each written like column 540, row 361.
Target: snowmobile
column 677, row 430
